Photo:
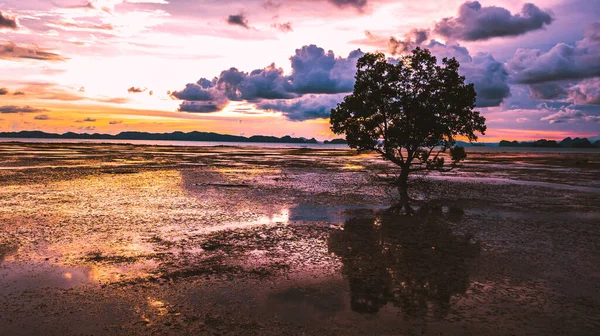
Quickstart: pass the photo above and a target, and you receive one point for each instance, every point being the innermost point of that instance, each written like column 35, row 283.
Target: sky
column 277, row 67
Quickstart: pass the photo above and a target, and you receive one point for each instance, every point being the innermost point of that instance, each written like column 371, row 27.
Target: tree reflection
column 414, row 262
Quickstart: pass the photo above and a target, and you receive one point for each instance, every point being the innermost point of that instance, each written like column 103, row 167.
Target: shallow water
column 127, row 240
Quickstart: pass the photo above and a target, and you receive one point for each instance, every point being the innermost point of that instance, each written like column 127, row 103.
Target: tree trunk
column 403, row 188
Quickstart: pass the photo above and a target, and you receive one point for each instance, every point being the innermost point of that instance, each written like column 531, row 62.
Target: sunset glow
column 107, row 66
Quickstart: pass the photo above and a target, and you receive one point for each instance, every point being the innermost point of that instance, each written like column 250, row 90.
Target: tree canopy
column 405, row 109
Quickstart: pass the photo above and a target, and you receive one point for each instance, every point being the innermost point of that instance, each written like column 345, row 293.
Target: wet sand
column 155, row 240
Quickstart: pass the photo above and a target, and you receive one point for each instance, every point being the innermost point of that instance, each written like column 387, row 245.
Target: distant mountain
column 565, row 143
column 336, row 142
column 174, row 136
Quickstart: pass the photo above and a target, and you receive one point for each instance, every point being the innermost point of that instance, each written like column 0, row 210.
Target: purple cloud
column 20, row 109
column 475, row 22
column 6, row 22
column 238, row 20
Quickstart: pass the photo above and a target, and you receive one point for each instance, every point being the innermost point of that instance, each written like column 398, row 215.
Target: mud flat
column 154, row 240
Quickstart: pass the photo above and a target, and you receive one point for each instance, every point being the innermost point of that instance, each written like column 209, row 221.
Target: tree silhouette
column 406, row 110
column 417, row 266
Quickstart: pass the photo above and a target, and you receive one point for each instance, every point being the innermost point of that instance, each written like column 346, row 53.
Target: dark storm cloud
column 238, row 20
column 6, row 22
column 475, row 22
column 3, row 91
column 562, row 62
column 20, row 109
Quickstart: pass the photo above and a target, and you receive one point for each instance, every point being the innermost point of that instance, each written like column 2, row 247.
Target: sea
column 493, row 149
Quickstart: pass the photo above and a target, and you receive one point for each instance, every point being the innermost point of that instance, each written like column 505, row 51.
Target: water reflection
column 416, row 263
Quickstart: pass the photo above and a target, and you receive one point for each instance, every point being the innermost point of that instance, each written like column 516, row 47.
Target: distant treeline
column 174, row 136
column 336, row 142
column 565, row 143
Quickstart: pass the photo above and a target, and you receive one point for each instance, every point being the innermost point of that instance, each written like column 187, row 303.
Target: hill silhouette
column 543, row 143
column 174, row 136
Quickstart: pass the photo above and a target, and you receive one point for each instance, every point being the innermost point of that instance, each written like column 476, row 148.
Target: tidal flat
column 104, row 239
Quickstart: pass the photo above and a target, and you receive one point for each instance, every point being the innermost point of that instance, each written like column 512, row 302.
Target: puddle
column 304, row 212
column 496, row 180
column 22, row 276
column 533, row 215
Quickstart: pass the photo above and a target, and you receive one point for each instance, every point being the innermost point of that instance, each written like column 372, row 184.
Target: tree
column 409, row 111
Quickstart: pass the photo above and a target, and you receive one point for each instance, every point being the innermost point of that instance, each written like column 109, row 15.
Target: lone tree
column 409, row 111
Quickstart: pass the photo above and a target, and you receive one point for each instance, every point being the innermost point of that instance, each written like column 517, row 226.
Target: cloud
column 284, row 27
column 136, row 90
column 42, row 117
column 238, row 20
column 267, row 83
column 562, row 62
column 6, row 22
column 20, row 109
column 569, row 114
column 12, row 51
column 358, row 4
column 475, row 22
column 547, row 91
column 318, row 78
column 305, row 108
column 115, row 122
column 3, row 91
column 18, row 93
column 412, row 39
column 88, row 119
column 193, row 92
column 201, row 107
column 81, row 25
column 314, row 71
column 489, row 76
column 50, row 91
column 586, row 92
column 113, row 100
column 271, row 5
